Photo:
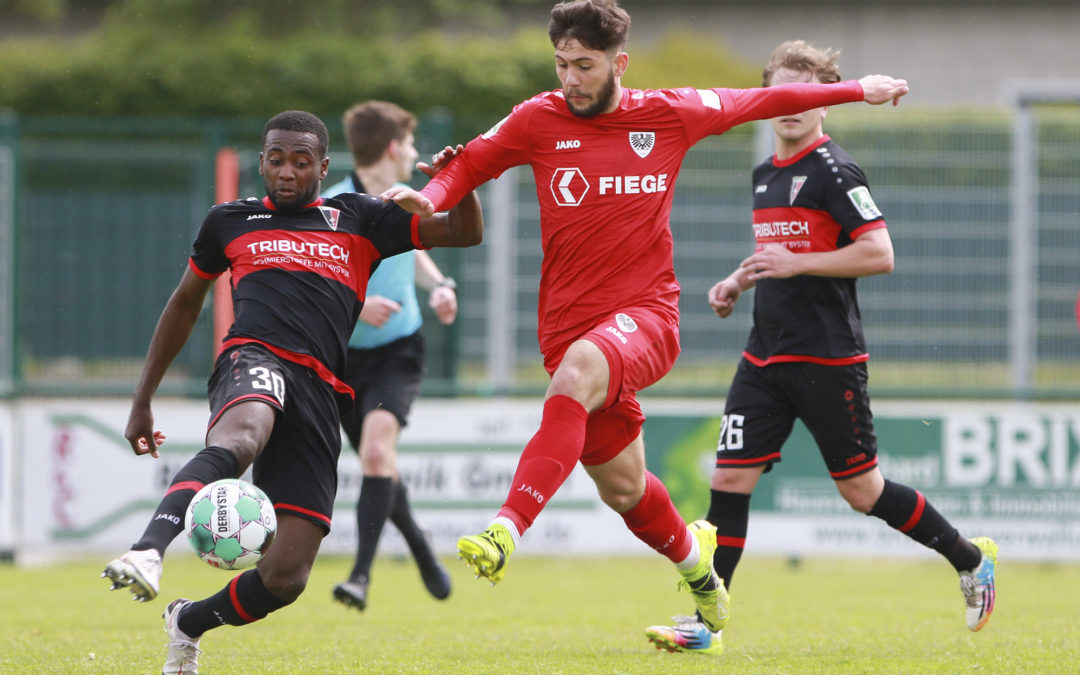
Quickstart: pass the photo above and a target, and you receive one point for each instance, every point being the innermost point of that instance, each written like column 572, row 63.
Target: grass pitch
column 559, row 615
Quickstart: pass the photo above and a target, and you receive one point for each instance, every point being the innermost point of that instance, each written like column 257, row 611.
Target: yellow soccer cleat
column 708, row 590
column 487, row 552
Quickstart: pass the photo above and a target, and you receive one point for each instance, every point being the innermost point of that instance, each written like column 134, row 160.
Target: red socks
column 551, row 455
column 655, row 521
column 547, row 460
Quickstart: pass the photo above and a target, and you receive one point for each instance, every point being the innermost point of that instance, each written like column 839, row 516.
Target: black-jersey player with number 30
column 300, row 267
column 817, row 229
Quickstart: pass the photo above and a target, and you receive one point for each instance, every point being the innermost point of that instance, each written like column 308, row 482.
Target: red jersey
column 605, row 186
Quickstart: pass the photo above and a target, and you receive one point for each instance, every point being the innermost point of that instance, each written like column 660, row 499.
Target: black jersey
column 815, row 201
column 299, row 278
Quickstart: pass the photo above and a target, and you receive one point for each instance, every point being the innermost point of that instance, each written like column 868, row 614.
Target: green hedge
column 237, row 70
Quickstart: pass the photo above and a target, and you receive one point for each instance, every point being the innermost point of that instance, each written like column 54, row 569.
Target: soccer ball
column 230, row 524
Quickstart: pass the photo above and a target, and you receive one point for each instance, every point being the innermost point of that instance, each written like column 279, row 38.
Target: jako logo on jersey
column 567, row 145
column 625, row 323
column 796, row 184
column 301, row 248
column 616, row 332
column 330, row 215
column 642, row 142
column 760, row 190
column 259, row 215
column 568, row 186
column 632, row 185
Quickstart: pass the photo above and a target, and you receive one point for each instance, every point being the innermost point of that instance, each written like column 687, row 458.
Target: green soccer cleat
column 977, row 585
column 708, row 590
column 487, row 552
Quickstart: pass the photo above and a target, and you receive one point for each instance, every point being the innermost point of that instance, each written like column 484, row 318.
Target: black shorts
column 298, row 467
column 764, row 402
column 386, row 377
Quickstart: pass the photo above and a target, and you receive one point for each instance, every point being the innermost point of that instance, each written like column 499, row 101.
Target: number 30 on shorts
column 731, row 433
column 265, row 379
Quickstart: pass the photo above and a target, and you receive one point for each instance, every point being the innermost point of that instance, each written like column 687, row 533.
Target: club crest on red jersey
column 330, row 215
column 625, row 323
column 642, row 142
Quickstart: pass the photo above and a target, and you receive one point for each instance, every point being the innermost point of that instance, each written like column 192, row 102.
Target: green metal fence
column 97, row 216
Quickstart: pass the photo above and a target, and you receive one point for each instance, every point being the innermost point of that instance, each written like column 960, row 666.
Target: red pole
column 226, row 189
column 1078, row 311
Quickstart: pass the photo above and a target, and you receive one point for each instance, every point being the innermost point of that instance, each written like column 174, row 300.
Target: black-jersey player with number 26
column 817, row 229
column 299, row 271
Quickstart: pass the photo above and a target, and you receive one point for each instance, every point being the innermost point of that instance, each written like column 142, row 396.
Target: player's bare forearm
column 466, row 221
column 462, row 226
column 170, row 335
column 871, row 253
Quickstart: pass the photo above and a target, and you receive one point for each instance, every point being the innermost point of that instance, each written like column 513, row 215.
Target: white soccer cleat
column 183, row 655
column 138, row 571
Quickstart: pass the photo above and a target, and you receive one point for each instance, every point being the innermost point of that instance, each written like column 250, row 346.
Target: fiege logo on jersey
column 569, row 185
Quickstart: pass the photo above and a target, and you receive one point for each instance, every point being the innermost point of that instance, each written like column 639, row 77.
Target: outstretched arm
column 762, row 103
column 462, row 226
column 171, row 334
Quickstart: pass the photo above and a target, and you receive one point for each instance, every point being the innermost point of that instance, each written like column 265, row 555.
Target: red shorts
column 641, row 346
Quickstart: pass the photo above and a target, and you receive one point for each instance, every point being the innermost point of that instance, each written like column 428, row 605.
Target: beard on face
column 602, row 101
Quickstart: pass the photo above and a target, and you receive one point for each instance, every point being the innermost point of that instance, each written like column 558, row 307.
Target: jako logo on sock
column 532, row 493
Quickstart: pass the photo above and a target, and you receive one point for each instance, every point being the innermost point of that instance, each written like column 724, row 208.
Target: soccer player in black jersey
column 300, row 266
column 817, row 229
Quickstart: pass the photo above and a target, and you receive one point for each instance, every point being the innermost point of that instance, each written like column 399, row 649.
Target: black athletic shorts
column 298, row 467
column 764, row 402
column 386, row 377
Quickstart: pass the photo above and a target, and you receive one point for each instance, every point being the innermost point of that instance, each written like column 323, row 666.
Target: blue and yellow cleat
column 978, row 585
column 687, row 635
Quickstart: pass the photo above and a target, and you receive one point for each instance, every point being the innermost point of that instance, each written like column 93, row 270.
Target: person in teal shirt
column 386, row 352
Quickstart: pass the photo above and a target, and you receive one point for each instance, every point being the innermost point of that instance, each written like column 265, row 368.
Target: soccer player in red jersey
column 605, row 159
column 817, row 230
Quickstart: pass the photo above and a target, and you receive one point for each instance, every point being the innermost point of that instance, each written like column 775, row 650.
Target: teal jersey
column 394, row 278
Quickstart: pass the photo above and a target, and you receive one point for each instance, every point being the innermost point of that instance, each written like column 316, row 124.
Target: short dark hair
column 803, row 57
column 596, row 24
column 298, row 120
column 370, row 126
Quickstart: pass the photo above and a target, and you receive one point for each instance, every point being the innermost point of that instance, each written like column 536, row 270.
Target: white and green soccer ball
column 230, row 524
